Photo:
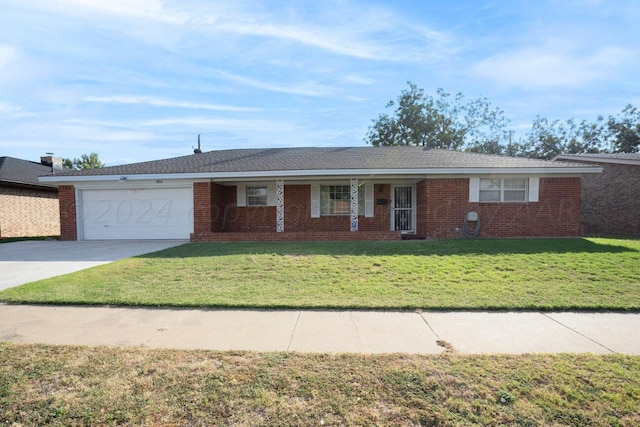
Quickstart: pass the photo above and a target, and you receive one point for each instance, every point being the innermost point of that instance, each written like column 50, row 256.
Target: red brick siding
column 217, row 207
column 446, row 203
column 68, row 225
column 232, row 218
column 381, row 220
column 228, row 217
column 231, row 222
column 442, row 205
column 202, row 207
column 28, row 212
column 297, row 203
column 610, row 203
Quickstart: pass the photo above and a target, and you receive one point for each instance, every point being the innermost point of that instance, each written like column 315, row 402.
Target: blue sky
column 139, row 80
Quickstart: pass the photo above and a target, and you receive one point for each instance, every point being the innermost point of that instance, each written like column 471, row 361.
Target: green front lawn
column 67, row 386
column 547, row 274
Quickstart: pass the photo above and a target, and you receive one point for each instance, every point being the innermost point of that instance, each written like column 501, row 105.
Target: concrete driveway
column 28, row 261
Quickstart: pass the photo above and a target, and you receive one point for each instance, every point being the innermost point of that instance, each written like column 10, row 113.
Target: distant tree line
column 86, row 161
column 452, row 122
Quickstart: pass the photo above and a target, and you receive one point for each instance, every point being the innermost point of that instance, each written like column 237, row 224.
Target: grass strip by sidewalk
column 66, row 385
column 538, row 274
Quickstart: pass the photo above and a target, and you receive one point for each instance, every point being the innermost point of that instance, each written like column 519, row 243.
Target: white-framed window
column 257, row 196
column 503, row 190
column 336, row 200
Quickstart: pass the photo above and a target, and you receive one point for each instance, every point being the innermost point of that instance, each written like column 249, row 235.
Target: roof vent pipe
column 198, row 150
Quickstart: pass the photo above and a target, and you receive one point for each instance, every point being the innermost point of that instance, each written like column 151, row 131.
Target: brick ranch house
column 350, row 193
column 27, row 207
column 610, row 202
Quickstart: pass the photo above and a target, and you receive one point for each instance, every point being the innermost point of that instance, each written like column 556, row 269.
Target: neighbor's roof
column 619, row 158
column 324, row 162
column 23, row 172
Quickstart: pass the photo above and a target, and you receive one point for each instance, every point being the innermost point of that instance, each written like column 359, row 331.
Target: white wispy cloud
column 98, row 132
column 398, row 40
column 538, row 68
column 324, row 39
column 352, row 30
column 9, row 110
column 8, row 54
column 149, row 9
column 160, row 102
column 357, row 79
column 308, row 88
column 221, row 124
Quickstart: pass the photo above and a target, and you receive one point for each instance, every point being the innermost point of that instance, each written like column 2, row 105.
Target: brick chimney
column 52, row 161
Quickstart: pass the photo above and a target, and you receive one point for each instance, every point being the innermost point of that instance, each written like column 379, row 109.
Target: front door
column 402, row 210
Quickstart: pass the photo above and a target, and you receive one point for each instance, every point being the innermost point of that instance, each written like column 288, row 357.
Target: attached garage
column 135, row 213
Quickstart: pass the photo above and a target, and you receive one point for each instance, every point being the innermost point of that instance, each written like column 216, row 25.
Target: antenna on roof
column 198, row 150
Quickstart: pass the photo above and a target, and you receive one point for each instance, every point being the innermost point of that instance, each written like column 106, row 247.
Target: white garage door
column 144, row 213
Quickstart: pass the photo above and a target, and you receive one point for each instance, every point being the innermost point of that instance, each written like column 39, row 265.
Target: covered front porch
column 332, row 210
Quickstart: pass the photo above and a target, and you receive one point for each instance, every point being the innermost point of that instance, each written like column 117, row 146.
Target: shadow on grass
column 402, row 308
column 21, row 239
column 412, row 247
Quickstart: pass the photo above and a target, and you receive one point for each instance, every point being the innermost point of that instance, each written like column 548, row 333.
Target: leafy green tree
column 86, row 161
column 443, row 121
column 547, row 139
column 625, row 130
column 619, row 134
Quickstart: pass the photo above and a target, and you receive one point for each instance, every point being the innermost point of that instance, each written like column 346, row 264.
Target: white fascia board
column 596, row 159
column 323, row 173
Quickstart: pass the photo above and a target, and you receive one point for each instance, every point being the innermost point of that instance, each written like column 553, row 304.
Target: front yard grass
column 69, row 385
column 540, row 274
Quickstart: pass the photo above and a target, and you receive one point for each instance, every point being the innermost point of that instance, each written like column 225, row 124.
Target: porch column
column 202, row 223
column 68, row 219
column 280, row 206
column 354, row 205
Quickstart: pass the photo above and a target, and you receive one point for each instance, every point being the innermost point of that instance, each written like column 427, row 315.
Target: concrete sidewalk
column 324, row 331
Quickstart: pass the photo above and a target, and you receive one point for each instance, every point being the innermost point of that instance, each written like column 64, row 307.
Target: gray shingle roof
column 310, row 159
column 633, row 158
column 23, row 172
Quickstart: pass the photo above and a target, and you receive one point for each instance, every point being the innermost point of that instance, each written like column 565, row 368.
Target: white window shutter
column 315, row 201
column 271, row 194
column 534, row 189
column 474, row 189
column 241, row 196
column 368, row 200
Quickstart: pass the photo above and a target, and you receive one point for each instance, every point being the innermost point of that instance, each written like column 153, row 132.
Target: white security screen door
column 402, row 209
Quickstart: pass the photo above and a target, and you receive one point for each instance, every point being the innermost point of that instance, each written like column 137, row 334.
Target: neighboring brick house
column 610, row 200
column 349, row 193
column 27, row 206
